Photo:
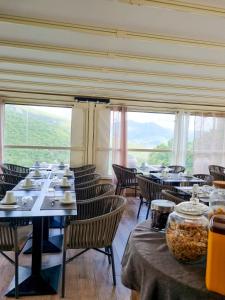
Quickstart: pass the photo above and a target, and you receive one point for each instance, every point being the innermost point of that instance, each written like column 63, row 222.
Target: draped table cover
column 149, row 268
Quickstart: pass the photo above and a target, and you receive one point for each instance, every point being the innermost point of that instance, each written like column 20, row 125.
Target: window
column 36, row 133
column 150, row 138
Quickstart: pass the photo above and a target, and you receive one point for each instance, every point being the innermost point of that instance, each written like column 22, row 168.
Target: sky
column 164, row 120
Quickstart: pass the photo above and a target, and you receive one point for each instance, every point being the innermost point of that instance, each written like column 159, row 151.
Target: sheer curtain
column 180, row 138
column 119, row 135
column 209, row 142
column 1, row 130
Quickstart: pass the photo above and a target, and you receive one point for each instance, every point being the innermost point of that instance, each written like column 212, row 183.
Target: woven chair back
column 149, row 189
column 218, row 176
column 87, row 180
column 97, row 222
column 9, row 178
column 88, row 169
column 172, row 196
column 216, row 169
column 95, row 191
column 16, row 168
column 176, row 169
column 7, row 236
column 206, row 177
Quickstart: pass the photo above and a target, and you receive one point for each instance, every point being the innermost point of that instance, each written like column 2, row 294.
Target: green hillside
column 29, row 126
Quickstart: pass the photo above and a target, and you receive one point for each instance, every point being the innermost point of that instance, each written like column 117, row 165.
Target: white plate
column 3, row 202
column 67, row 202
column 27, row 187
column 8, row 206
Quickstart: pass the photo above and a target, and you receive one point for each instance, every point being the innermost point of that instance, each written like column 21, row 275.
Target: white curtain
column 209, row 142
column 78, row 137
column 119, row 136
column 102, row 136
column 180, row 138
column 1, row 129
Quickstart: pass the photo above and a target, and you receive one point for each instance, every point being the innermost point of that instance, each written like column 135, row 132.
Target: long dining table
column 38, row 280
column 176, row 179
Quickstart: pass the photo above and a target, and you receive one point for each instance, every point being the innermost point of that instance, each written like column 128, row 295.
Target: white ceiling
column 159, row 50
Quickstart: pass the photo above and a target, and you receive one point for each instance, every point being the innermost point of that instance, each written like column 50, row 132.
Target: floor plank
column 89, row 276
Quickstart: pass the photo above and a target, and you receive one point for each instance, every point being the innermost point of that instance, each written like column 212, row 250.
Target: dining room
column 112, row 149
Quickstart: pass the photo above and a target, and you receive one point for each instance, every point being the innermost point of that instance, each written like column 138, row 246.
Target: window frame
column 152, row 150
column 38, row 147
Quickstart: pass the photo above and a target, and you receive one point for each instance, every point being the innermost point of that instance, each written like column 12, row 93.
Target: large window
column 36, row 133
column 150, row 138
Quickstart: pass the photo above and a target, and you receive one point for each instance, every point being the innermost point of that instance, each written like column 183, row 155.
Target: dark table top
column 36, row 209
column 176, row 178
column 148, row 267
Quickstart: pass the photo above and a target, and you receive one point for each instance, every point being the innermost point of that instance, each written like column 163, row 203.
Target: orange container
column 215, row 267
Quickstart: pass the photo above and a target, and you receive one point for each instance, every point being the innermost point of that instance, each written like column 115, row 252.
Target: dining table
column 175, row 179
column 203, row 193
column 150, row 269
column 38, row 280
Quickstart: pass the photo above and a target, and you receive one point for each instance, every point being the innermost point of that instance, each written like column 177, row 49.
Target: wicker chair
column 15, row 170
column 4, row 187
column 217, row 176
column 126, row 178
column 94, row 191
column 216, row 169
column 9, row 178
column 206, row 177
column 87, row 180
column 173, row 196
column 84, row 170
column 149, row 191
column 94, row 228
column 176, row 169
column 13, row 238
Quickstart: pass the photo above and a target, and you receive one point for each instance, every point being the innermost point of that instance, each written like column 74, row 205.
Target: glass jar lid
column 162, row 205
column 192, row 207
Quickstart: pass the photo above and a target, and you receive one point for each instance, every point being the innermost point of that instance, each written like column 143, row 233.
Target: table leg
column 51, row 244
column 37, row 281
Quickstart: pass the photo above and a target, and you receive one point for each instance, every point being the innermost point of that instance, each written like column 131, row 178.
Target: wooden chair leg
column 139, row 209
column 113, row 266
column 63, row 273
column 16, row 275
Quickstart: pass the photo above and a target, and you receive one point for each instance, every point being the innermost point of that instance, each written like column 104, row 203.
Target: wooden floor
column 89, row 276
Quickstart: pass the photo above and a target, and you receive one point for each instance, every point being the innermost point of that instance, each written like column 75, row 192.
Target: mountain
column 147, row 135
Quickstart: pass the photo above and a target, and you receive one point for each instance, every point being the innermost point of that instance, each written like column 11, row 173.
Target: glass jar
column 187, row 231
column 217, row 199
column 160, row 210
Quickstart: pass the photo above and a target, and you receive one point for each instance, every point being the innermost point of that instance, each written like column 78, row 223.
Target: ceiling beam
column 115, row 32
column 109, row 54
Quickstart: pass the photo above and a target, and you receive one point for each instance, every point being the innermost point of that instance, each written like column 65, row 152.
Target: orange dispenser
column 215, row 268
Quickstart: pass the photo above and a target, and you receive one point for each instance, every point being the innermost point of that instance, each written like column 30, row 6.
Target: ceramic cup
column 37, row 164
column 67, row 171
column 37, row 173
column 9, row 197
column 27, row 182
column 65, row 181
column 67, row 196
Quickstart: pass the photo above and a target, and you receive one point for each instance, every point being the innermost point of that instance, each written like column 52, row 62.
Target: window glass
column 36, row 126
column 152, row 131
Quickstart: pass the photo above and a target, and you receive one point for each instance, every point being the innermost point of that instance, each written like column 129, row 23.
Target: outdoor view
column 150, row 139
column 39, row 127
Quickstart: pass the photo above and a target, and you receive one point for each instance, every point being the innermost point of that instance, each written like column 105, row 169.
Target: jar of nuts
column 187, row 231
column 217, row 199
